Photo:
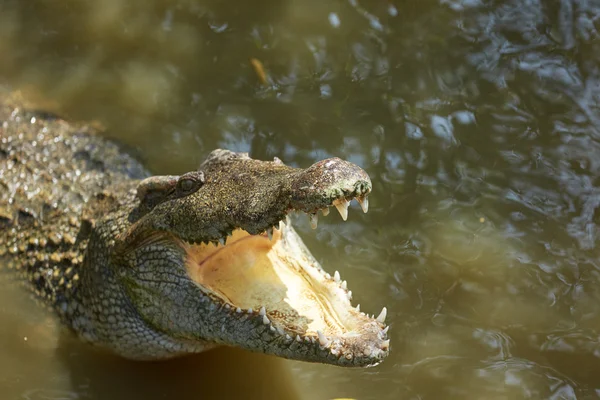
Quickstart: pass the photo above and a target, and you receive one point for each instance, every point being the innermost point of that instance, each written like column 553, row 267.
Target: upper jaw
column 253, row 195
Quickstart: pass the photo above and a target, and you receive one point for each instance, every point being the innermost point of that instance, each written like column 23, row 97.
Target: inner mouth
column 254, row 272
column 274, row 277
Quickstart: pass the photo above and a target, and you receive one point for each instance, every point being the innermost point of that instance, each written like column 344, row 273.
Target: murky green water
column 479, row 122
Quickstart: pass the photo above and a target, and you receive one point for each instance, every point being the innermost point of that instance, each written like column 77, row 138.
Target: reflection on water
column 478, row 122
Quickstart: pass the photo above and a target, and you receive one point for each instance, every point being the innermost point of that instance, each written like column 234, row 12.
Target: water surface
column 478, row 121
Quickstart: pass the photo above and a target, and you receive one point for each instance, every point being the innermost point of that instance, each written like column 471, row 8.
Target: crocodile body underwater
column 154, row 267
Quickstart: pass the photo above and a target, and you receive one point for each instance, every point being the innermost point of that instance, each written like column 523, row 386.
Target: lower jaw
column 278, row 292
column 269, row 341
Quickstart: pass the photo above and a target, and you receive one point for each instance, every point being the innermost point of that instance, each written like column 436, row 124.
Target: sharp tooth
column 280, row 331
column 288, row 337
column 281, row 225
column 262, row 311
column 222, row 241
column 325, row 211
column 358, row 307
column 298, row 339
column 385, row 344
column 344, row 285
column 272, row 328
column 307, row 339
column 364, row 203
column 270, row 233
column 323, row 341
column 327, row 275
column 266, row 320
column 336, row 276
column 342, row 207
column 382, row 315
column 314, row 220
column 350, row 295
column 238, row 310
column 250, row 311
column 385, row 331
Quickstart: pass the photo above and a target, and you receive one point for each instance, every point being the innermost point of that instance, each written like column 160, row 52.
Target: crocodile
column 152, row 267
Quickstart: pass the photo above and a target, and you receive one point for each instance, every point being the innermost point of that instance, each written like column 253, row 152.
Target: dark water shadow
column 222, row 373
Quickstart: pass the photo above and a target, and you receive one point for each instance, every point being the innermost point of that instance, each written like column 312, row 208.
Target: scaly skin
column 118, row 255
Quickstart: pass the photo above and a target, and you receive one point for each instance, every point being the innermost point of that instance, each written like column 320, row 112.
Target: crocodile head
column 213, row 259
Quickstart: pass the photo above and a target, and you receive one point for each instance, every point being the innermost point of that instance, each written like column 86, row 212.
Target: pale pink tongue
column 243, row 273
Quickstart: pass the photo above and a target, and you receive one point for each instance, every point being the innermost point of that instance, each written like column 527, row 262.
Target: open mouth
column 273, row 277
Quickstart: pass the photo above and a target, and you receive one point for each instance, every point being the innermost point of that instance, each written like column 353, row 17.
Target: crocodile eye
column 190, row 182
column 186, row 185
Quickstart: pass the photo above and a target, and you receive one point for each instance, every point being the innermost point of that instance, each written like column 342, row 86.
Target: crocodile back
column 50, row 170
